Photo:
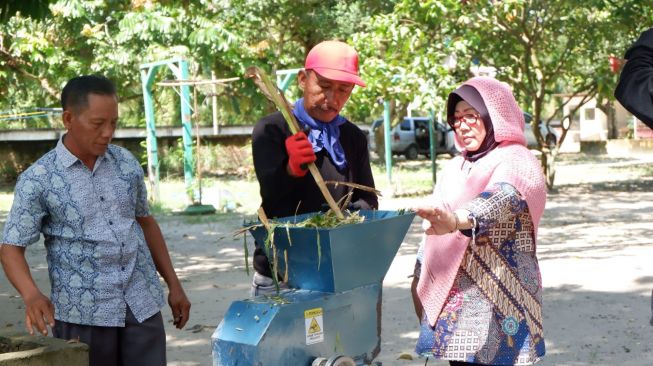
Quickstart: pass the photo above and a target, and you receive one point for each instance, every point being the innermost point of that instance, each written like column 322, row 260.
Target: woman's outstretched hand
column 442, row 221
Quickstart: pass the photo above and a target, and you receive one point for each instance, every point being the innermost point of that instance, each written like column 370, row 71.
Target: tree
column 30, row 8
column 113, row 37
column 404, row 57
column 624, row 14
column 540, row 47
column 547, row 46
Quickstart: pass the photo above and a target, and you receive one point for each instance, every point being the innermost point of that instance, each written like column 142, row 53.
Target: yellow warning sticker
column 315, row 327
column 314, row 322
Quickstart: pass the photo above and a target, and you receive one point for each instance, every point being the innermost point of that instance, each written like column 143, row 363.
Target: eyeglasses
column 469, row 119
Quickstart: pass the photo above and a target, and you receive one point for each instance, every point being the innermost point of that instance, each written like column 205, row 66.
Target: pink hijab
column 510, row 162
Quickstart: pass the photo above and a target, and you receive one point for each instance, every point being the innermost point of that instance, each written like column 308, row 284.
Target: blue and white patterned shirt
column 97, row 256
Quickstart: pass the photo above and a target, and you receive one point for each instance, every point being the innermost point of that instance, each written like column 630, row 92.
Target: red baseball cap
column 334, row 60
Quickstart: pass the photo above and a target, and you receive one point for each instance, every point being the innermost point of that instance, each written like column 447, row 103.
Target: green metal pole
column 156, row 64
column 433, row 141
column 285, row 83
column 285, row 77
column 387, row 140
column 152, row 150
column 187, row 130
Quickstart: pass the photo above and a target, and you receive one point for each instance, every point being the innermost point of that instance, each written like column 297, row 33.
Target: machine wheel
column 337, row 360
column 411, row 152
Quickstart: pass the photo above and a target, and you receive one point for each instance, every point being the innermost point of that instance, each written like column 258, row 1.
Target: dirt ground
column 595, row 252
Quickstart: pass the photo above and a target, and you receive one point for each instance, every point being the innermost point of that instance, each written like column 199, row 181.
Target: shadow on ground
column 594, row 248
column 616, row 334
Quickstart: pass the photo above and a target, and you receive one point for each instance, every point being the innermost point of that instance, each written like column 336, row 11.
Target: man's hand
column 300, row 154
column 39, row 312
column 177, row 299
column 179, row 305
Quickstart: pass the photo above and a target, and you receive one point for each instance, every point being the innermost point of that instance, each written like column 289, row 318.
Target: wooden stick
column 263, row 217
column 285, row 275
column 354, row 185
column 272, row 92
column 348, row 200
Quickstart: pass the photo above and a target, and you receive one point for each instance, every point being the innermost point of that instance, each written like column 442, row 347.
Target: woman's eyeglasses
column 469, row 119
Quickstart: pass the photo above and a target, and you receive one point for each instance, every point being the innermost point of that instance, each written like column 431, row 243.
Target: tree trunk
column 613, row 132
column 379, row 140
column 611, row 115
column 548, row 160
column 608, row 109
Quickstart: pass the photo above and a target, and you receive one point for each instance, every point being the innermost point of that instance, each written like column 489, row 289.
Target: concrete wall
column 591, row 124
column 16, row 156
column 629, row 147
column 623, row 118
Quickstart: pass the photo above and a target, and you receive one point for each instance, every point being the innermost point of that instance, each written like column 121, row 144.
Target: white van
column 411, row 137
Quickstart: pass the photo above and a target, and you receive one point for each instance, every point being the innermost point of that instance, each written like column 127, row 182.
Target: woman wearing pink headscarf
column 479, row 282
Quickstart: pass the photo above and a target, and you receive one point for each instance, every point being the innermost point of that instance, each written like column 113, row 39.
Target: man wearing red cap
column 337, row 146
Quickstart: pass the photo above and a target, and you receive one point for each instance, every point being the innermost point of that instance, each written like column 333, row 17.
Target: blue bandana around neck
column 323, row 135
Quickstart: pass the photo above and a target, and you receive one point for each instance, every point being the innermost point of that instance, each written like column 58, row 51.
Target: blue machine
column 334, row 306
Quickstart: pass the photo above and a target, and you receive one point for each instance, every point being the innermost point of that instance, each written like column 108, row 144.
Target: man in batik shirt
column 88, row 199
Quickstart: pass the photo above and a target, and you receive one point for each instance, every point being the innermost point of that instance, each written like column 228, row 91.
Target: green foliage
column 328, row 220
column 113, row 37
column 30, row 8
column 159, row 209
column 172, row 163
column 540, row 47
column 405, row 53
column 544, row 47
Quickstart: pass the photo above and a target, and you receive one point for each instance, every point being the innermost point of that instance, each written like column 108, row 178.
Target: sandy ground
column 595, row 252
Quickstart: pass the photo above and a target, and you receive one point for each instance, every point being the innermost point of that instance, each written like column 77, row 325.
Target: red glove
column 300, row 153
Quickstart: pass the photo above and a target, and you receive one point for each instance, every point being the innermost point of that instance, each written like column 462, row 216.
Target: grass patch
column 157, row 209
column 226, row 193
column 241, row 193
column 204, row 219
column 409, row 177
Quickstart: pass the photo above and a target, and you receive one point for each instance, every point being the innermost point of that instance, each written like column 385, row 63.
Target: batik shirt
column 98, row 260
column 493, row 314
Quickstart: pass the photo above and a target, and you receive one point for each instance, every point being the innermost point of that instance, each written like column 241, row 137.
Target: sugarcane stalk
column 270, row 90
column 270, row 242
column 263, row 217
column 285, row 275
column 355, row 186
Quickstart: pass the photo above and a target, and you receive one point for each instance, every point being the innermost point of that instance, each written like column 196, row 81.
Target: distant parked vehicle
column 550, row 135
column 411, row 137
